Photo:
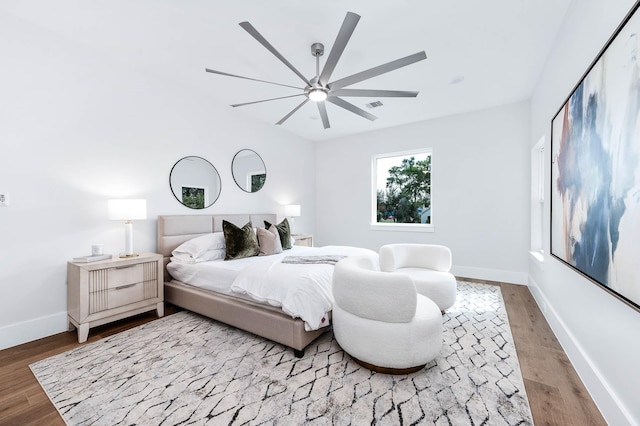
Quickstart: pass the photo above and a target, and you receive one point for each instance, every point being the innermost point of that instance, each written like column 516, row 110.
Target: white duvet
column 300, row 290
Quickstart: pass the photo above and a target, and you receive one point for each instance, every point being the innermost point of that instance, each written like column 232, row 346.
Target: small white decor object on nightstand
column 91, row 258
column 108, row 290
column 303, row 239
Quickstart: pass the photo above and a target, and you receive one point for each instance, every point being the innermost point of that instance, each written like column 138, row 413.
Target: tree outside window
column 403, row 188
column 193, row 197
column 257, row 181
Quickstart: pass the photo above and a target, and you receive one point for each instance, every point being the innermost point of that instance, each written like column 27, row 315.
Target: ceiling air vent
column 375, row 104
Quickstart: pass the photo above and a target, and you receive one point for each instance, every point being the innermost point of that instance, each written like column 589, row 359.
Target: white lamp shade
column 127, row 210
column 292, row 210
column 124, row 209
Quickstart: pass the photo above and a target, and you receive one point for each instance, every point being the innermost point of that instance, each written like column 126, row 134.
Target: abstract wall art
column 595, row 170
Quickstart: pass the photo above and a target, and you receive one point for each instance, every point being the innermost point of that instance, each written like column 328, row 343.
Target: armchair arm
column 362, row 290
column 430, row 256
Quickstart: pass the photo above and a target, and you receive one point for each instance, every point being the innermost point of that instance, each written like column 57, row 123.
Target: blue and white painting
column 595, row 176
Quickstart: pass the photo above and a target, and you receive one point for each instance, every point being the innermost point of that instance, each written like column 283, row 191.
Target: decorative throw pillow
column 269, row 240
column 240, row 242
column 284, row 231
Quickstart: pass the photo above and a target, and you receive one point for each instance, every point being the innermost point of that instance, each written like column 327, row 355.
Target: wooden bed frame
column 263, row 320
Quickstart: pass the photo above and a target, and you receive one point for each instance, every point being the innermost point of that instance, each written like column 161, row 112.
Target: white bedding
column 302, row 291
column 218, row 275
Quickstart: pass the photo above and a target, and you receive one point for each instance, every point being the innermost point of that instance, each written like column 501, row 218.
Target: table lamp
column 291, row 211
column 128, row 210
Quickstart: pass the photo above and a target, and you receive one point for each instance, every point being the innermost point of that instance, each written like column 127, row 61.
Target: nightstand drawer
column 125, row 275
column 303, row 240
column 124, row 295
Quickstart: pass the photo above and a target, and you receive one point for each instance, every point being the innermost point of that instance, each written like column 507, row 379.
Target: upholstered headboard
column 176, row 229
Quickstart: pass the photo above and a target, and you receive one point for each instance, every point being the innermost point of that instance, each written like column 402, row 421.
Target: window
column 401, row 195
column 537, row 196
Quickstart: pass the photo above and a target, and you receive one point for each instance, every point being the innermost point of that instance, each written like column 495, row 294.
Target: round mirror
column 248, row 170
column 195, row 182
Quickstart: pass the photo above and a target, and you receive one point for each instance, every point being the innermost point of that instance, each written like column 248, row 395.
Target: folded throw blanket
column 329, row 259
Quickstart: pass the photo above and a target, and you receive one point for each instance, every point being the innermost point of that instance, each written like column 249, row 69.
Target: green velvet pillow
column 284, row 231
column 240, row 242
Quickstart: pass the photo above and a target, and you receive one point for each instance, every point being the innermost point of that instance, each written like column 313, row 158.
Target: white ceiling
column 498, row 48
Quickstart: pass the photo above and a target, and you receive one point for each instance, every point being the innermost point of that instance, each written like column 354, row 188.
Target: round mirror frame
column 254, row 177
column 202, row 187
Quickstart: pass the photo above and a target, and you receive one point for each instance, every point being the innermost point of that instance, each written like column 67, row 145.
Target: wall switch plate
column 4, row 199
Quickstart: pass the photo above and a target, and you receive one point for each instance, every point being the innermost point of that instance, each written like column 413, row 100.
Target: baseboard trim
column 27, row 331
column 496, row 275
column 612, row 409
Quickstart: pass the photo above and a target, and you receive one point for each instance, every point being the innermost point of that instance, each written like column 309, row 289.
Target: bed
column 233, row 309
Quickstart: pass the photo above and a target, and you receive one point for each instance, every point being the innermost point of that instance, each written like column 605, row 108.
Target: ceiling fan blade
column 347, row 28
column 283, row 119
column 249, row 78
column 255, row 34
column 323, row 113
column 374, row 93
column 351, row 107
column 380, row 69
column 267, row 100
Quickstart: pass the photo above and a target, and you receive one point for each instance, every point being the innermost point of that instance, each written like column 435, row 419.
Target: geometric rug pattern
column 188, row 369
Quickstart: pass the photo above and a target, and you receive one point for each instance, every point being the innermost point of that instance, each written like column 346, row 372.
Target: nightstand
column 303, row 239
column 108, row 290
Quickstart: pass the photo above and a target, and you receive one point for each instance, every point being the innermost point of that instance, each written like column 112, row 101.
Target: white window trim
column 403, row 227
column 537, row 200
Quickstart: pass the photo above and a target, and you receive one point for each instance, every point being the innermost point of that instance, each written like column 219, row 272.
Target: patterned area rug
column 187, row 369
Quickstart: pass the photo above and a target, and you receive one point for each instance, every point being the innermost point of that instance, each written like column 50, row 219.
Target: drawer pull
column 124, row 267
column 125, row 286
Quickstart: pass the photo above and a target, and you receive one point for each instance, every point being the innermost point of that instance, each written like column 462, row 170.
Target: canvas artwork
column 595, row 171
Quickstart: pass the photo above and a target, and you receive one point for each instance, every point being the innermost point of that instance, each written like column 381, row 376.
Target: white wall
column 77, row 129
column 600, row 334
column 480, row 189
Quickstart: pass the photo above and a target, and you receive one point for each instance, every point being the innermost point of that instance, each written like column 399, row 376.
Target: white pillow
column 208, row 255
column 198, row 246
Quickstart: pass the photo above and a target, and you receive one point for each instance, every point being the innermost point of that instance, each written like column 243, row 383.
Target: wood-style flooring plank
column 556, row 394
column 546, row 399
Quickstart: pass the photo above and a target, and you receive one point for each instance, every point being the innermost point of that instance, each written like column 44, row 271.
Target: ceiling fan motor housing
column 317, row 49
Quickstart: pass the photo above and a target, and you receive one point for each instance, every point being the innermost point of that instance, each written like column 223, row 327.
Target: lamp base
column 129, row 255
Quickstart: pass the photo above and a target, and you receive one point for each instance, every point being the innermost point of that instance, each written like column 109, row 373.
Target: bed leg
column 298, row 353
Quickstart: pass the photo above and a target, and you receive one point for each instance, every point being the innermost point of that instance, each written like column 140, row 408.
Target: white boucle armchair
column 380, row 320
column 428, row 265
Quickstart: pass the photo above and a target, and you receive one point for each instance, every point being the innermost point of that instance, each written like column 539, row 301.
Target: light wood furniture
column 108, row 290
column 303, row 239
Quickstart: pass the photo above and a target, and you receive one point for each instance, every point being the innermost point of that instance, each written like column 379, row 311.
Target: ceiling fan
column 319, row 89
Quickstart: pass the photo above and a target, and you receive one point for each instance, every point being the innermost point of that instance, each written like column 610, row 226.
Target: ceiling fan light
column 317, row 95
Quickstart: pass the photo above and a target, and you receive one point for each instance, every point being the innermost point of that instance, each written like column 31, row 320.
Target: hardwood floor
column 556, row 394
